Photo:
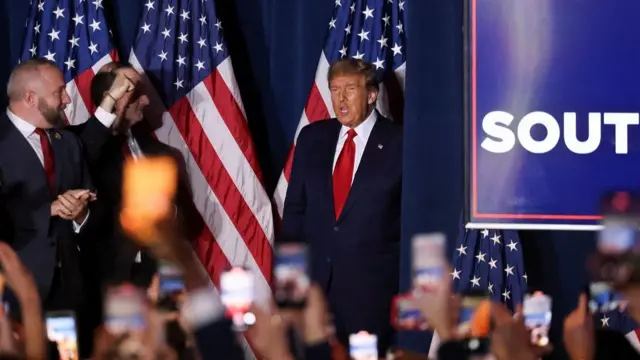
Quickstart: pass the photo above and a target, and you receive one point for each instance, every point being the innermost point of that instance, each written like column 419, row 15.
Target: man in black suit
column 45, row 188
column 121, row 258
column 344, row 201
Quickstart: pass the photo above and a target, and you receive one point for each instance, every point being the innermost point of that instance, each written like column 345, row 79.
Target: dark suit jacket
column 113, row 251
column 356, row 258
column 25, row 203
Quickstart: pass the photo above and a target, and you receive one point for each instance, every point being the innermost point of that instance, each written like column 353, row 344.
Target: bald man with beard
column 46, row 190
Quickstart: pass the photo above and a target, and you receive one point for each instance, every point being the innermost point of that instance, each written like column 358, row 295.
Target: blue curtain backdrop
column 275, row 46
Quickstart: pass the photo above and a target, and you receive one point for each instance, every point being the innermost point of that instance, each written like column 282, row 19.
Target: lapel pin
column 380, row 146
column 57, row 136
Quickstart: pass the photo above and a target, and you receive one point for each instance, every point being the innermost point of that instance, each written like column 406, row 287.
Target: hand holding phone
column 428, row 261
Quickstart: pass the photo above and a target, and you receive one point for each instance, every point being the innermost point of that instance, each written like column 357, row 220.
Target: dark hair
column 103, row 80
column 353, row 66
column 100, row 84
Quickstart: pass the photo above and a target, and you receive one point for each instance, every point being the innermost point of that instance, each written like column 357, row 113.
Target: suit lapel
column 57, row 145
column 327, row 166
column 15, row 142
column 368, row 164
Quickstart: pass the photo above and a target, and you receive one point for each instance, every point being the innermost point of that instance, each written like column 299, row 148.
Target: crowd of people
column 81, row 282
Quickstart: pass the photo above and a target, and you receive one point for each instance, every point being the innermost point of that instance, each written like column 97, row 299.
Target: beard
column 53, row 116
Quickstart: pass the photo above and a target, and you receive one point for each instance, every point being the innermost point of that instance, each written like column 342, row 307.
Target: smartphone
column 291, row 275
column 363, row 346
column 170, row 286
column 537, row 317
column 474, row 319
column 405, row 315
column 124, row 310
column 237, row 293
column 603, row 298
column 62, row 330
column 428, row 261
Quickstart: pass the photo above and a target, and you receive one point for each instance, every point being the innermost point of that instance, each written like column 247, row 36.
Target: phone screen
column 170, row 277
column 363, row 346
column 537, row 317
column 619, row 235
column 603, row 298
column 61, row 329
column 237, row 292
column 291, row 274
column 428, row 261
column 474, row 319
column 125, row 307
column 406, row 315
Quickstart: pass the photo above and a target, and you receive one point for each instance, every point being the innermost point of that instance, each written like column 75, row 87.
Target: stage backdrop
column 553, row 125
column 275, row 46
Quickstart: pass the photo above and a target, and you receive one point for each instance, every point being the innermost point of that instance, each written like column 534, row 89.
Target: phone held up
column 617, row 260
column 124, row 310
column 62, row 330
column 363, row 346
column 291, row 275
column 428, row 261
column 537, row 317
column 170, row 287
column 405, row 314
column 237, row 293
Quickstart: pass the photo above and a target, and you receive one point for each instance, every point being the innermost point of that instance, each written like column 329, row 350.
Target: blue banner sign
column 553, row 104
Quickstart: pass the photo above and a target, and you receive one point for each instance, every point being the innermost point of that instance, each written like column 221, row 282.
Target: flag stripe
column 188, row 121
column 232, row 115
column 219, row 245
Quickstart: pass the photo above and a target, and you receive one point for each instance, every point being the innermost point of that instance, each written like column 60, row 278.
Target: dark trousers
column 61, row 300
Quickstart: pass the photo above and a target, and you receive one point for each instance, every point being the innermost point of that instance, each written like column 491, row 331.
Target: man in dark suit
column 45, row 188
column 344, row 201
column 121, row 258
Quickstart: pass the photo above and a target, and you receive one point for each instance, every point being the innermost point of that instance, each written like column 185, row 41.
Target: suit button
column 336, row 229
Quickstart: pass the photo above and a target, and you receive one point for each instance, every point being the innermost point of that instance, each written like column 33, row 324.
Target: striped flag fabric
column 371, row 30
column 180, row 48
column 73, row 34
column 491, row 261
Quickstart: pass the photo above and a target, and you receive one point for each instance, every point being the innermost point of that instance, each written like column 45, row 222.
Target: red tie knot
column 40, row 132
column 351, row 134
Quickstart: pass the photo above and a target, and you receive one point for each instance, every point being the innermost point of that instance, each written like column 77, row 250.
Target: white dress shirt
column 28, row 131
column 363, row 130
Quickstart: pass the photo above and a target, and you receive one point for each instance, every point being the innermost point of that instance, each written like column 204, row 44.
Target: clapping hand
column 72, row 205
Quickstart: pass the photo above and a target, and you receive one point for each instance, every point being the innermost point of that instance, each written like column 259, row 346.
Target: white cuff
column 105, row 117
column 202, row 307
column 77, row 227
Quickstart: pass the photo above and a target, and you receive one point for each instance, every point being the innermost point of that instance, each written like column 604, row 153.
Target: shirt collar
column 25, row 128
column 364, row 129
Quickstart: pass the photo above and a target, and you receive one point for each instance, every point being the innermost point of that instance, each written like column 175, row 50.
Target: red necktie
column 49, row 163
column 343, row 173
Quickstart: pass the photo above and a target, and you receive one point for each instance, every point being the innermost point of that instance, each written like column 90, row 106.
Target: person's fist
column 121, row 86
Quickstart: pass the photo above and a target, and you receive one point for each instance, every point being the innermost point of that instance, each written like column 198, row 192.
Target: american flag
column 74, row 35
column 372, row 30
column 488, row 260
column 181, row 49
